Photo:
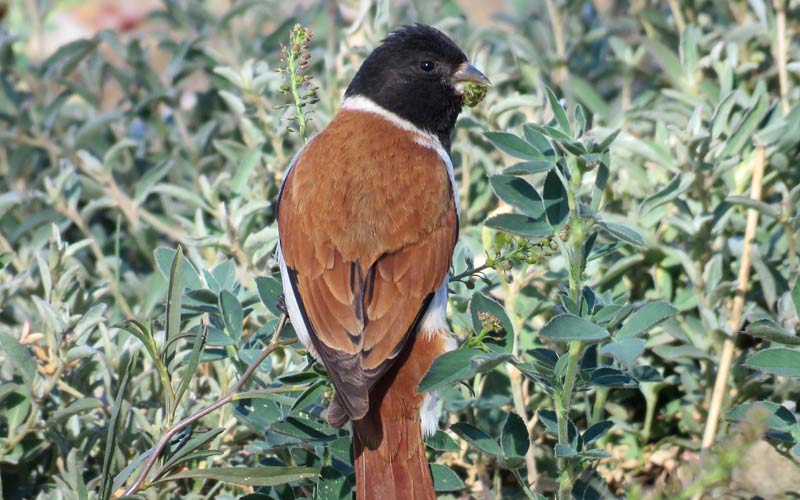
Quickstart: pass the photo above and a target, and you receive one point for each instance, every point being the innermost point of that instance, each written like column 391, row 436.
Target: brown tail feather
column 390, row 459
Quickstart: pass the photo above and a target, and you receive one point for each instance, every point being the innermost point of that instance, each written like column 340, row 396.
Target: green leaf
column 477, row 438
column 19, row 357
column 565, row 451
column 596, row 431
column 645, row 318
column 303, row 428
column 8, row 388
column 67, row 57
column 776, row 360
column 667, row 59
column 309, row 396
column 627, row 351
column 444, row 479
column 482, row 305
column 514, row 439
column 232, row 314
column 441, row 441
column 246, row 168
column 174, row 295
column 674, row 188
column 622, row 232
column 567, row 327
column 586, row 94
column 332, row 485
column 722, row 112
column 164, row 258
column 191, row 364
column 519, row 225
column 603, row 146
column 113, row 423
column 519, row 194
column 248, row 476
column 5, row 259
column 558, row 112
column 513, row 145
column 779, row 417
column 537, row 139
column 743, row 130
column 269, row 290
column 768, row 329
column 150, row 179
column 77, row 407
column 758, row 205
column 556, row 203
column 530, row 167
column 458, row 365
column 610, row 377
column 196, row 442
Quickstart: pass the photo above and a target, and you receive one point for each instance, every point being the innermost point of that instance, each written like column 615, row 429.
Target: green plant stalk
column 651, row 399
column 575, row 259
column 294, row 88
column 512, row 291
column 165, row 438
column 600, row 397
column 563, row 402
column 522, row 484
column 791, row 241
column 780, row 53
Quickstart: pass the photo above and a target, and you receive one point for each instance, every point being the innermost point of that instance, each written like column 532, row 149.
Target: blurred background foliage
column 128, row 131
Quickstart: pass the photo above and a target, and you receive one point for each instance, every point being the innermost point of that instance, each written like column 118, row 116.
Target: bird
column 368, row 218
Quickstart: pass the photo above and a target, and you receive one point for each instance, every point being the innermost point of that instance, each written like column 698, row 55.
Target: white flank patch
column 429, row 414
column 435, row 318
column 434, row 322
column 292, row 307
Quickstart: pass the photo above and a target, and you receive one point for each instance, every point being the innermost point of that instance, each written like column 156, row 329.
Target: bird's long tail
column 390, row 459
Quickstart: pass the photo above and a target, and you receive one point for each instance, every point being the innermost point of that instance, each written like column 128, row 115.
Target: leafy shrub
column 594, row 285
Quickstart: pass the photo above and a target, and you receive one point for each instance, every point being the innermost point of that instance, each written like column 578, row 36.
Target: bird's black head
column 417, row 73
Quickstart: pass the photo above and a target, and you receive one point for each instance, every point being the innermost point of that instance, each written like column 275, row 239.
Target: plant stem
column 295, row 80
column 780, row 53
column 522, row 484
column 600, row 396
column 558, row 39
column 575, row 259
column 726, row 358
column 789, row 233
column 156, row 451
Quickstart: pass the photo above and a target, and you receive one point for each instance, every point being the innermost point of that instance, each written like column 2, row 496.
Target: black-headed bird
column 368, row 220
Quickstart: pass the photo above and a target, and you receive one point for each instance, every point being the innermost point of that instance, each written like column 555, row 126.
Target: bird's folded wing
column 359, row 321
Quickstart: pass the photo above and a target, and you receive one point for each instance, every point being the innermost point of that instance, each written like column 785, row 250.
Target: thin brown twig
column 557, row 23
column 156, row 451
column 780, row 53
column 734, row 322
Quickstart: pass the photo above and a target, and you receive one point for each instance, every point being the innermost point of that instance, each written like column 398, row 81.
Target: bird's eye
column 426, row 65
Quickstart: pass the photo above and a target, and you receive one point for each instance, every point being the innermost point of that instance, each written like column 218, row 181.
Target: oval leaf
column 513, row 145
column 567, row 327
column 519, row 194
column 444, row 479
column 521, row 225
column 477, row 438
column 645, row 318
column 777, row 360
